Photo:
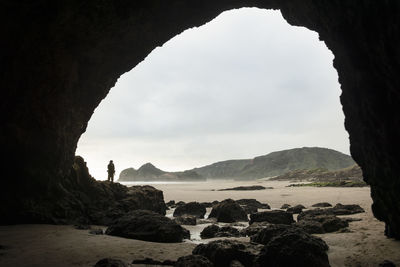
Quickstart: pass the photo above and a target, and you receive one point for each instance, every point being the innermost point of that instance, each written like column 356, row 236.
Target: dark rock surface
column 222, row 252
column 193, row 261
column 214, row 230
column 253, row 228
column 148, row 226
column 322, row 205
column 150, row 261
column 97, row 231
column 340, row 209
column 191, row 208
column 386, row 263
column 296, row 209
column 228, row 211
column 311, row 226
column 294, row 247
column 273, row 216
column 252, row 202
column 109, row 262
column 246, row 188
column 268, row 232
column 69, row 63
column 186, row 220
column 285, row 206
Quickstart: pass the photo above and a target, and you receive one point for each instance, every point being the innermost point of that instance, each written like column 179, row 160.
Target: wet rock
column 311, row 227
column 253, row 228
column 253, row 203
column 207, row 204
column 340, row 209
column 109, row 262
column 148, row 226
column 285, row 206
column 322, row 205
column 191, row 208
column 265, row 234
column 228, row 211
column 97, row 231
column 222, row 252
column 273, row 216
column 186, row 220
column 296, row 209
column 150, row 261
column 209, row 231
column 193, row 261
column 180, row 203
column 294, row 247
column 330, row 223
column 249, row 209
column 170, row 203
column 386, row 263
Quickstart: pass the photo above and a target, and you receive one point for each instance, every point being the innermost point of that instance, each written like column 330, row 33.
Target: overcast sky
column 241, row 86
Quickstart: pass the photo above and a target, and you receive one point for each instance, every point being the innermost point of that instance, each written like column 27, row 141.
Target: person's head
column 111, row 161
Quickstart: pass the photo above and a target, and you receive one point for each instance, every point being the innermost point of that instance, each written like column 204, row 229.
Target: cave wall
column 60, row 58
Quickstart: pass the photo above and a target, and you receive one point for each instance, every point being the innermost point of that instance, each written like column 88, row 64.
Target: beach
column 63, row 245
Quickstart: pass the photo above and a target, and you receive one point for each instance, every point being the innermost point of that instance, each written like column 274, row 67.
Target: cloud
column 243, row 85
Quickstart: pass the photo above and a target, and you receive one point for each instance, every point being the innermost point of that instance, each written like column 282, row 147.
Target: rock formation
column 60, row 59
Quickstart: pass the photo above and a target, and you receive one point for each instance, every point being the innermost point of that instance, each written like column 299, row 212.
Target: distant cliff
column 148, row 172
column 277, row 163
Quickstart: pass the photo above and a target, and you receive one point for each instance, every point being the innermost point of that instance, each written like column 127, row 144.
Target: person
column 111, row 171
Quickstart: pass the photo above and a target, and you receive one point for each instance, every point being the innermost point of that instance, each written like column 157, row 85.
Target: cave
column 60, row 59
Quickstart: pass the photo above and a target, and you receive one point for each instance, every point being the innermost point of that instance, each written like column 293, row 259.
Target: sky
column 243, row 85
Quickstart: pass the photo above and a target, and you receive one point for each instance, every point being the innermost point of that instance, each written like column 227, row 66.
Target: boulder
column 222, row 252
column 109, row 262
column 311, row 227
column 186, row 220
column 273, row 216
column 285, row 206
column 191, row 208
column 296, row 209
column 249, row 209
column 228, row 211
column 322, row 205
column 294, row 247
column 170, row 203
column 209, row 231
column 253, row 228
column 227, row 231
column 252, row 202
column 148, row 226
column 193, row 261
column 207, row 204
column 340, row 209
column 265, row 235
column 150, row 261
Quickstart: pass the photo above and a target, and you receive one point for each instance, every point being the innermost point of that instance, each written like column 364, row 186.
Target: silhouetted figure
column 111, row 171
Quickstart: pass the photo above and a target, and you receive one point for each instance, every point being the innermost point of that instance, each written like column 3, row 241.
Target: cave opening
column 243, row 85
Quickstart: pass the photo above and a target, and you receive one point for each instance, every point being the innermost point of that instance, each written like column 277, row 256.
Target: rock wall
column 60, row 58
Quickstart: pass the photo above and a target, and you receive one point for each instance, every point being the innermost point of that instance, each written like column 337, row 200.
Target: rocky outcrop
column 191, row 208
column 148, row 226
column 110, row 262
column 193, row 261
column 216, row 231
column 273, row 216
column 228, row 211
column 70, row 62
column 186, row 220
column 295, row 209
column 223, row 252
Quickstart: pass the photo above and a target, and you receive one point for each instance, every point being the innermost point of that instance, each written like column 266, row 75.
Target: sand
column 62, row 245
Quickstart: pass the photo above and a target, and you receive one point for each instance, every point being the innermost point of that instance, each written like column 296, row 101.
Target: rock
column 191, row 208
column 253, row 228
column 285, row 206
column 215, row 202
column 340, row 209
column 236, row 263
column 193, row 261
column 222, row 252
column 209, row 231
column 294, row 247
column 322, row 205
column 386, row 263
column 265, row 235
column 186, row 220
column 148, row 226
column 180, row 203
column 228, row 211
column 246, row 188
column 249, row 209
column 207, row 204
column 311, row 227
column 330, row 223
column 273, row 216
column 109, row 262
column 296, row 209
column 170, row 203
column 97, row 231
column 150, row 261
column 253, row 203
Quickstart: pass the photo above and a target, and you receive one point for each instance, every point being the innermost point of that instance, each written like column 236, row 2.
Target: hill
column 352, row 173
column 148, row 172
column 277, row 163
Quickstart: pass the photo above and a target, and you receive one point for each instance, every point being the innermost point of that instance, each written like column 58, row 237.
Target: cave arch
column 71, row 53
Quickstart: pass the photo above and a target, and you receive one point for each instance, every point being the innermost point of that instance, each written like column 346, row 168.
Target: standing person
column 111, row 171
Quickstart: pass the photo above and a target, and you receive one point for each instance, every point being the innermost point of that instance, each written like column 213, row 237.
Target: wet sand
column 62, row 245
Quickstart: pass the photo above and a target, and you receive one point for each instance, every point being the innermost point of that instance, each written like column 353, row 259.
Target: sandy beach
column 63, row 245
